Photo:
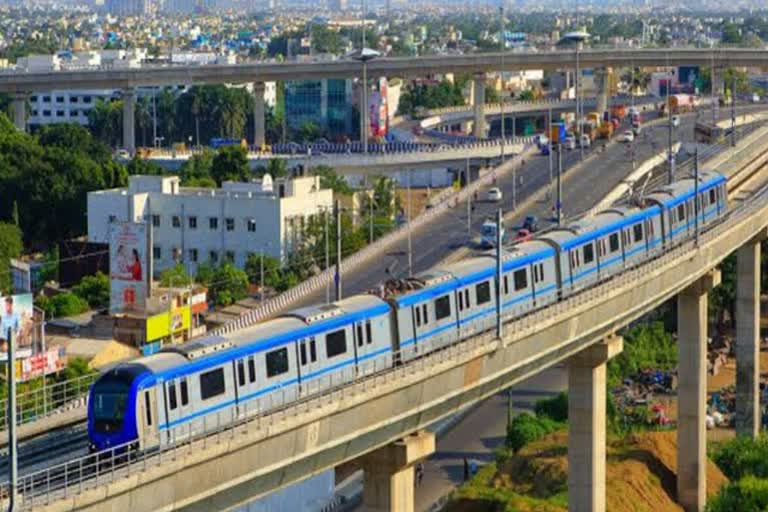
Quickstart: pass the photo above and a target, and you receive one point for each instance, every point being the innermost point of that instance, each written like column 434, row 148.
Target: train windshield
column 110, row 401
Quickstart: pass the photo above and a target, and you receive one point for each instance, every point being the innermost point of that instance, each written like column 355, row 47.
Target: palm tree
column 143, row 118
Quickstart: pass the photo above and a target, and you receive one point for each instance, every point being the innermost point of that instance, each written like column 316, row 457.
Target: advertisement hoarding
column 16, row 315
column 128, row 266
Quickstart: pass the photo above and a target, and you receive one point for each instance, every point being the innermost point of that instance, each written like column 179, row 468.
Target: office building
column 328, row 103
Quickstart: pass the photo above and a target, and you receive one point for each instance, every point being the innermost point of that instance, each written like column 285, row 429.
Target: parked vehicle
column 627, row 136
column 494, row 194
column 531, row 223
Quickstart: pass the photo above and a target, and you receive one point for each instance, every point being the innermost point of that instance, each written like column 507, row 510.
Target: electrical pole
column 548, row 132
column 696, row 191
column 327, row 258
column 261, row 273
column 712, row 90
column 671, row 163
column 514, row 173
column 499, row 295
column 410, row 243
column 12, row 442
column 337, row 210
column 578, row 115
column 364, row 106
column 559, row 184
column 733, row 110
column 370, row 226
column 503, row 46
column 469, row 204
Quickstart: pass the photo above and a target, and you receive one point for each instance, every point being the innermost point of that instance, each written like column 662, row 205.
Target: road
column 584, row 186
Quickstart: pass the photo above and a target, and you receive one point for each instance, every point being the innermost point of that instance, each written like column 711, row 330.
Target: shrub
column 526, row 428
column 750, row 494
column 741, row 456
column 555, row 408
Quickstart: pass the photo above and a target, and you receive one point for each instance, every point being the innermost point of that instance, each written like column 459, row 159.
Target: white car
column 675, row 121
column 494, row 194
column 627, row 136
column 570, row 143
column 585, row 141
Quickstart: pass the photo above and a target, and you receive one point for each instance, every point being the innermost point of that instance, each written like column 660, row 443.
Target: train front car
column 112, row 407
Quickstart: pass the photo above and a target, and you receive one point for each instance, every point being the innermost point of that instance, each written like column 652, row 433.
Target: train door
column 366, row 348
column 148, row 418
column 309, row 367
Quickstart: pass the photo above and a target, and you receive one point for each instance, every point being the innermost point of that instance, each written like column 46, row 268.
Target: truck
column 619, row 112
column 606, row 130
column 593, row 117
column 557, row 132
column 678, row 103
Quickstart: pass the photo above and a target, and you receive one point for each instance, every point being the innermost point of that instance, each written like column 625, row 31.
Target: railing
column 74, row 477
column 54, row 398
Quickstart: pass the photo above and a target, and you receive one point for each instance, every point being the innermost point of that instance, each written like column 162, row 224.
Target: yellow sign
column 161, row 325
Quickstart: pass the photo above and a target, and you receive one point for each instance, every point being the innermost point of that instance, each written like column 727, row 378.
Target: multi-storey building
column 197, row 225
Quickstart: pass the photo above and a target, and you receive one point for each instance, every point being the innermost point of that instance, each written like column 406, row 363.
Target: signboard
column 42, row 363
column 128, row 266
column 16, row 315
column 378, row 111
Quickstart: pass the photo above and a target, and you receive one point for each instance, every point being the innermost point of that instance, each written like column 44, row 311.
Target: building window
column 212, row 384
column 46, row 99
column 277, row 362
column 33, row 99
column 73, row 113
column 176, row 221
column 156, row 252
column 34, row 112
column 213, row 256
column 59, row 99
column 442, row 307
column 335, row 343
column 156, row 220
column 112, row 219
column 213, row 222
column 46, row 113
column 73, row 99
column 230, row 256
column 230, row 224
column 86, row 99
column 193, row 255
column 251, row 225
column 192, row 222
column 59, row 113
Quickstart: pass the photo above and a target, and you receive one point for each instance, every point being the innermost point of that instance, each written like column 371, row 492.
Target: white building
column 196, row 225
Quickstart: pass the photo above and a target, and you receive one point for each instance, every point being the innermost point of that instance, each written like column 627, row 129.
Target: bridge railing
column 81, row 474
column 54, row 398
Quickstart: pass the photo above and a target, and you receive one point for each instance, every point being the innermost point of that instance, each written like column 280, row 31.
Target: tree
column 492, row 96
column 175, row 277
column 228, row 285
column 10, row 247
column 143, row 167
column 61, row 305
column 230, row 164
column 526, row 95
column 309, row 131
column 197, row 170
column 329, row 179
column 277, row 168
column 105, row 120
column 273, row 276
column 94, row 290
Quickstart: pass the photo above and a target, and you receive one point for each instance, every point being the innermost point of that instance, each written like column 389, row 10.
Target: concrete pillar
column 692, row 392
column 388, row 473
column 478, row 92
column 586, row 420
column 129, row 122
column 603, row 77
column 258, row 115
column 747, row 339
column 19, row 100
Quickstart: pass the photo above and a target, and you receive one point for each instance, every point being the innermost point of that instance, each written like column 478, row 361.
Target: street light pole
column 733, row 110
column 578, row 114
column 337, row 208
column 499, row 295
column 12, row 442
column 327, row 258
column 410, row 244
column 671, row 163
column 469, row 203
column 548, row 132
column 370, row 227
column 503, row 47
column 559, row 183
column 364, row 109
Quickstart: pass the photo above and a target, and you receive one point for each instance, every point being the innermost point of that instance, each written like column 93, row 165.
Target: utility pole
column 696, row 191
column 514, row 173
column 327, row 258
column 499, row 295
column 154, row 118
column 261, row 273
column 469, row 204
column 337, row 211
column 733, row 110
column 410, row 243
column 578, row 115
column 548, row 133
column 364, row 106
column 12, row 442
column 370, row 226
column 559, row 184
column 503, row 47
column 671, row 163
column 712, row 90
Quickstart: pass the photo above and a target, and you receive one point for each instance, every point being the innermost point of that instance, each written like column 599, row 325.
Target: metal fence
column 84, row 473
column 54, row 398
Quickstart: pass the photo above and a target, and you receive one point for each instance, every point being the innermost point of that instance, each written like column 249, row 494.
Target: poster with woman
column 128, row 266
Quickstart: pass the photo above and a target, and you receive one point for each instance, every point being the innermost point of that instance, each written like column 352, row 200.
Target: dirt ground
column 640, row 476
column 419, row 198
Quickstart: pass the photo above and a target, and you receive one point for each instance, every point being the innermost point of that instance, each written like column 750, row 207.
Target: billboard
column 128, row 266
column 378, row 111
column 42, row 363
column 16, row 315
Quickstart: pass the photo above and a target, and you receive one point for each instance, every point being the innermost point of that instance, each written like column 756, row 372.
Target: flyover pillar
column 258, row 115
column 478, row 94
column 129, row 122
column 603, row 76
column 691, row 392
column 388, row 473
column 19, row 100
column 747, row 338
column 586, row 420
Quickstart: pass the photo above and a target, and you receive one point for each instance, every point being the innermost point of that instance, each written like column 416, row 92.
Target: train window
column 541, row 271
column 172, row 404
column 681, row 213
column 483, row 292
column 251, row 369
column 589, row 253
column 184, row 392
column 369, row 338
column 277, row 362
column 312, row 350
column 303, row 352
column 521, row 279
column 613, row 242
column 418, row 317
column 241, row 372
column 506, row 285
column 212, row 383
column 442, row 307
column 461, row 301
column 335, row 343
column 466, row 298
column 360, row 333
column 147, row 408
column 712, row 197
column 638, row 231
column 424, row 315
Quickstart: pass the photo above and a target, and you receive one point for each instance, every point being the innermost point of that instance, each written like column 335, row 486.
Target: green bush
column 61, row 305
column 741, row 456
column 526, row 428
column 555, row 408
column 750, row 494
column 645, row 346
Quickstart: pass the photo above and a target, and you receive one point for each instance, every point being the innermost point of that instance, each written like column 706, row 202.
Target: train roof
column 674, row 193
column 318, row 312
column 588, row 228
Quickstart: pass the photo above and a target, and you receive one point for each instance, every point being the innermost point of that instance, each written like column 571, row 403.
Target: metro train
column 161, row 398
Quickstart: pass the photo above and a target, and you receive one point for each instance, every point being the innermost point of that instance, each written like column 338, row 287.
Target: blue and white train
column 155, row 399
